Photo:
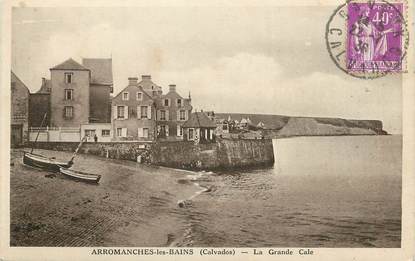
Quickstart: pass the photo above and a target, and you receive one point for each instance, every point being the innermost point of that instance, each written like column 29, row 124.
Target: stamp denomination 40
column 368, row 39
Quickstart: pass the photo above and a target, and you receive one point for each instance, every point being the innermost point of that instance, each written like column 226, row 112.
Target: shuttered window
column 120, row 112
column 143, row 113
column 162, row 115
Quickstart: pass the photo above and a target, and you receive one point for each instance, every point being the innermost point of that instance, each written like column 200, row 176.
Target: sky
column 269, row 60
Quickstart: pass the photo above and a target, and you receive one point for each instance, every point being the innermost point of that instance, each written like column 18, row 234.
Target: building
column 134, row 112
column 102, row 132
column 199, row 128
column 141, row 112
column 19, row 112
column 260, row 125
column 76, row 94
column 172, row 112
column 39, row 105
column 152, row 89
column 222, row 126
column 100, row 88
column 69, row 94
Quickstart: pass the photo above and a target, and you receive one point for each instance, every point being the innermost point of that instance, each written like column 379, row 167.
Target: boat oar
column 70, row 162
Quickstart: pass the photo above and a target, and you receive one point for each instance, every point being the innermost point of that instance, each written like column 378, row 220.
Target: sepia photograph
column 207, row 126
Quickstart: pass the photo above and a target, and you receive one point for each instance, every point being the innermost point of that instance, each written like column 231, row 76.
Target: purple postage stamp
column 368, row 39
column 374, row 39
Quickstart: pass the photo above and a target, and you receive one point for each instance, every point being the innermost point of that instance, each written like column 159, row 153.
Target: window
column 120, row 112
column 143, row 113
column 68, row 112
column 68, row 77
column 191, row 134
column 179, row 102
column 162, row 115
column 145, row 132
column 139, row 96
column 154, row 93
column 182, row 115
column 105, row 133
column 90, row 133
column 166, row 102
column 119, row 132
column 179, row 131
column 68, row 94
column 125, row 96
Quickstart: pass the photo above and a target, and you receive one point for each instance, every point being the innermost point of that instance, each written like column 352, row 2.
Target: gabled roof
column 14, row 78
column 148, row 85
column 70, row 64
column 199, row 119
column 101, row 70
column 133, row 86
column 173, row 96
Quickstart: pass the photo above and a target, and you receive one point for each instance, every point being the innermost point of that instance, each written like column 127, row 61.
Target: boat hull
column 39, row 161
column 78, row 175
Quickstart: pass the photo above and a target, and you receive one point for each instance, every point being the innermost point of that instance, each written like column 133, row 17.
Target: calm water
column 321, row 192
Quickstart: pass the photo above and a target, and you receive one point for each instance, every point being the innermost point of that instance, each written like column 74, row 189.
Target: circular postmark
column 368, row 39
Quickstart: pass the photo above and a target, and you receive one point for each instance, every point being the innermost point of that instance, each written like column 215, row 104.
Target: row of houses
column 77, row 101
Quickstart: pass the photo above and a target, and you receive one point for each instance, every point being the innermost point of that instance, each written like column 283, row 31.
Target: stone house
column 141, row 112
column 199, row 128
column 19, row 112
column 172, row 112
column 78, row 94
column 70, row 94
column 134, row 113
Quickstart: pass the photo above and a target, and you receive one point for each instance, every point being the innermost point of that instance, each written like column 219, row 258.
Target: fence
column 55, row 134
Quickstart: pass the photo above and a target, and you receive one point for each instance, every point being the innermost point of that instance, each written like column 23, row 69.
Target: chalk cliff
column 286, row 126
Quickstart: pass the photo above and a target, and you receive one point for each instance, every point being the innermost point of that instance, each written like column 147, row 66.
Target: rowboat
column 76, row 174
column 39, row 161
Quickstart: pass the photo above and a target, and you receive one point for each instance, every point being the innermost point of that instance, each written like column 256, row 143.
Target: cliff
column 286, row 126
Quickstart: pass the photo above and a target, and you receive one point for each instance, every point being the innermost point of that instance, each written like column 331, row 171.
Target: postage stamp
column 368, row 39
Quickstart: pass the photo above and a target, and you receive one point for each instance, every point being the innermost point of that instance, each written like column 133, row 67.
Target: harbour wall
column 222, row 154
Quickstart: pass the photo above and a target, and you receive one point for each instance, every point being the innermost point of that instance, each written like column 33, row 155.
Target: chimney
column 132, row 80
column 43, row 81
column 172, row 87
column 146, row 77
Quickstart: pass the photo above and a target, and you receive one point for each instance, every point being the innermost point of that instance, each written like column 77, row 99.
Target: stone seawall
column 224, row 154
column 113, row 150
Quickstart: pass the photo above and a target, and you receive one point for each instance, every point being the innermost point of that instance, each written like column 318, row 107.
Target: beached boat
column 76, row 174
column 39, row 161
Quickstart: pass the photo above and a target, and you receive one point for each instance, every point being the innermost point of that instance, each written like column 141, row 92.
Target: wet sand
column 134, row 205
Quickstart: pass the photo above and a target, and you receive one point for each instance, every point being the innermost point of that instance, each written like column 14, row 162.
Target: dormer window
column 125, row 96
column 139, row 96
column 68, row 77
column 179, row 102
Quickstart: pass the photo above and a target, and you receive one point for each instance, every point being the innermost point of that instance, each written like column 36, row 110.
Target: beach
column 134, row 205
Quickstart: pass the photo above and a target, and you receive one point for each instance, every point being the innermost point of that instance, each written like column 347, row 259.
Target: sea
column 340, row 191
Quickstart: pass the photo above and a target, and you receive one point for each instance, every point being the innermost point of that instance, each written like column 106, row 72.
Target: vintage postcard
column 235, row 130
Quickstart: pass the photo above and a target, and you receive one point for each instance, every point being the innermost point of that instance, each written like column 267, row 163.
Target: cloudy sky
column 267, row 59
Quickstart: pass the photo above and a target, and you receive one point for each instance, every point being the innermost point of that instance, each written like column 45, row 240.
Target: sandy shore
column 134, row 205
